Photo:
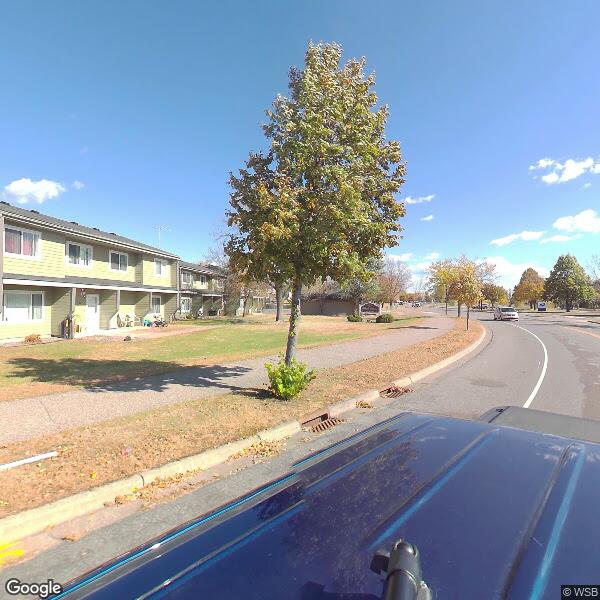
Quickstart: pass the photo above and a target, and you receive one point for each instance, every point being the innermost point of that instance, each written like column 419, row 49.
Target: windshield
column 507, row 309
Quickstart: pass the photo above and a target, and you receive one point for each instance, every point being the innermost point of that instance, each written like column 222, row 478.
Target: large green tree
column 321, row 202
column 530, row 287
column 568, row 283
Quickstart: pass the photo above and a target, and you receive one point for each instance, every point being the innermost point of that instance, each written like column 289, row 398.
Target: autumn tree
column 494, row 294
column 468, row 284
column 393, row 279
column 568, row 283
column 530, row 288
column 320, row 203
column 443, row 277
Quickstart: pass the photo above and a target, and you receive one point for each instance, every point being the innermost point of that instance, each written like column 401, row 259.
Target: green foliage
column 385, row 318
column 530, row 287
column 354, row 318
column 568, row 283
column 287, row 381
column 321, row 203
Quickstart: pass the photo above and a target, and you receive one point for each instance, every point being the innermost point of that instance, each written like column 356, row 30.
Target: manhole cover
column 394, row 392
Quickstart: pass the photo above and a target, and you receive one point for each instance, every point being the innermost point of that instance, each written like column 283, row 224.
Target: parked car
column 514, row 506
column 541, row 306
column 416, row 304
column 506, row 313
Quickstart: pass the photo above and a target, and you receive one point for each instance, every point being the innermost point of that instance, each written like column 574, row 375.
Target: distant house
column 202, row 288
column 331, row 304
column 54, row 272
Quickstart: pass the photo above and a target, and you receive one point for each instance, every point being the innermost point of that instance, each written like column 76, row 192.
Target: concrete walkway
column 33, row 417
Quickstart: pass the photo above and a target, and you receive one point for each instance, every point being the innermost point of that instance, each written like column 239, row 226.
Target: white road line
column 542, row 374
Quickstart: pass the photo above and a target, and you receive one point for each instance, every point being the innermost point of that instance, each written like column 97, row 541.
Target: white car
column 506, row 313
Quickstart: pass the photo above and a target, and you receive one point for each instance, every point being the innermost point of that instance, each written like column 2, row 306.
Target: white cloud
column 78, row 185
column 524, row 235
column 419, row 199
column 509, row 273
column 401, row 257
column 587, row 185
column 428, row 218
column 420, row 267
column 25, row 190
column 432, row 256
column 567, row 171
column 560, row 238
column 587, row 221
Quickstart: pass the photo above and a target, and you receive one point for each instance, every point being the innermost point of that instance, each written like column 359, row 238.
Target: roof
column 203, row 267
column 517, row 508
column 33, row 217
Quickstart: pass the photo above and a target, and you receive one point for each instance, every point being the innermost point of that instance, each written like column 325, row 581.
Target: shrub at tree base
column 288, row 381
column 354, row 318
column 385, row 318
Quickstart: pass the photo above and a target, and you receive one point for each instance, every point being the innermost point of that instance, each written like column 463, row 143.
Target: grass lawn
column 48, row 368
column 93, row 455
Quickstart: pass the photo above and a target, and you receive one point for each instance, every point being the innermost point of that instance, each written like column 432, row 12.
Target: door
column 92, row 312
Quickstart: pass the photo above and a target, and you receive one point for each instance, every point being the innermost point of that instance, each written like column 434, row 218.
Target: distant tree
column 530, row 288
column 443, row 276
column 568, row 283
column 326, row 207
column 393, row 279
column 468, row 285
column 494, row 294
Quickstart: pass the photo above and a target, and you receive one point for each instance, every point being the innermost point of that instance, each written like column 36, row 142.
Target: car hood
column 494, row 511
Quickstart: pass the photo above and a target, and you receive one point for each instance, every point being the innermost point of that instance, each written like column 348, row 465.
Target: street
column 509, row 368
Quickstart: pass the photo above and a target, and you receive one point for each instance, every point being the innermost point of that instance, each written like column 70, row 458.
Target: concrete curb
column 29, row 522
column 414, row 377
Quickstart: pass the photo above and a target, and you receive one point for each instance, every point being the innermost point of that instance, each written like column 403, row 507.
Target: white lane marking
column 542, row 374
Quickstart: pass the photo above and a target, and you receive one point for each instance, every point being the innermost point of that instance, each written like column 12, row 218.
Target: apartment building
column 202, row 288
column 54, row 272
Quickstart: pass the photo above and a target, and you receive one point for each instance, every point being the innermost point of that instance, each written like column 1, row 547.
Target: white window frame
column 79, row 264
column 219, row 283
column 22, row 230
column 160, row 267
column 30, row 310
column 187, row 275
column 187, row 301
column 202, row 280
column 154, row 299
column 119, row 270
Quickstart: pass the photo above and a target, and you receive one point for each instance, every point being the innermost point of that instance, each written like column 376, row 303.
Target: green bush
column 287, row 382
column 354, row 318
column 385, row 318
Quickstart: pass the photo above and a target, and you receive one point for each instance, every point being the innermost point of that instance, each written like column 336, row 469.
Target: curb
column 35, row 520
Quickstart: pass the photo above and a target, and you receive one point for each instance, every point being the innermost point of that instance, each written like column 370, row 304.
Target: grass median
column 91, row 456
column 35, row 370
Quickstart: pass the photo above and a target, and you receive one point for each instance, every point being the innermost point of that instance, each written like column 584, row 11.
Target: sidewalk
column 32, row 417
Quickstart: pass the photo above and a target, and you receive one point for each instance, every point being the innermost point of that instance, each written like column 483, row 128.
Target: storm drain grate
column 326, row 424
column 394, row 392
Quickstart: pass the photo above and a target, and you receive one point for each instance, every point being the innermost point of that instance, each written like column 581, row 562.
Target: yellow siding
column 128, row 301
column 21, row 330
column 51, row 262
column 101, row 266
column 151, row 279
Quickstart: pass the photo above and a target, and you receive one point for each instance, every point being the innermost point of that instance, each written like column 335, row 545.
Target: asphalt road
column 547, row 362
column 561, row 353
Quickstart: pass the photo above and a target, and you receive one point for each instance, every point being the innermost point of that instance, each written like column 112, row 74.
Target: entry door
column 92, row 312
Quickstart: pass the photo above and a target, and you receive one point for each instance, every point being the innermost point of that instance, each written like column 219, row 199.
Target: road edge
column 33, row 521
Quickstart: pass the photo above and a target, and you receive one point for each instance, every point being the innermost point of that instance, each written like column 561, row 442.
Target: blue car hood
column 495, row 512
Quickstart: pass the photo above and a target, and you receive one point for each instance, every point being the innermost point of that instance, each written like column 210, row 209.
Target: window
column 202, row 280
column 160, row 267
column 22, row 242
column 79, row 255
column 118, row 261
column 219, row 283
column 186, row 305
column 187, row 278
column 20, row 307
column 156, row 304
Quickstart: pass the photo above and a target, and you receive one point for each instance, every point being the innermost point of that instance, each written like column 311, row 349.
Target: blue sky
column 149, row 105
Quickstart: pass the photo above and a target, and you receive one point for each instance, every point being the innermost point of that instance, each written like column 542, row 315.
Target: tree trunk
column 279, row 302
column 459, row 305
column 292, row 340
column 245, row 311
column 468, row 312
column 446, row 301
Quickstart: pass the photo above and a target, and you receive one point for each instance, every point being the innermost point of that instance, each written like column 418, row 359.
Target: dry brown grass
column 90, row 456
